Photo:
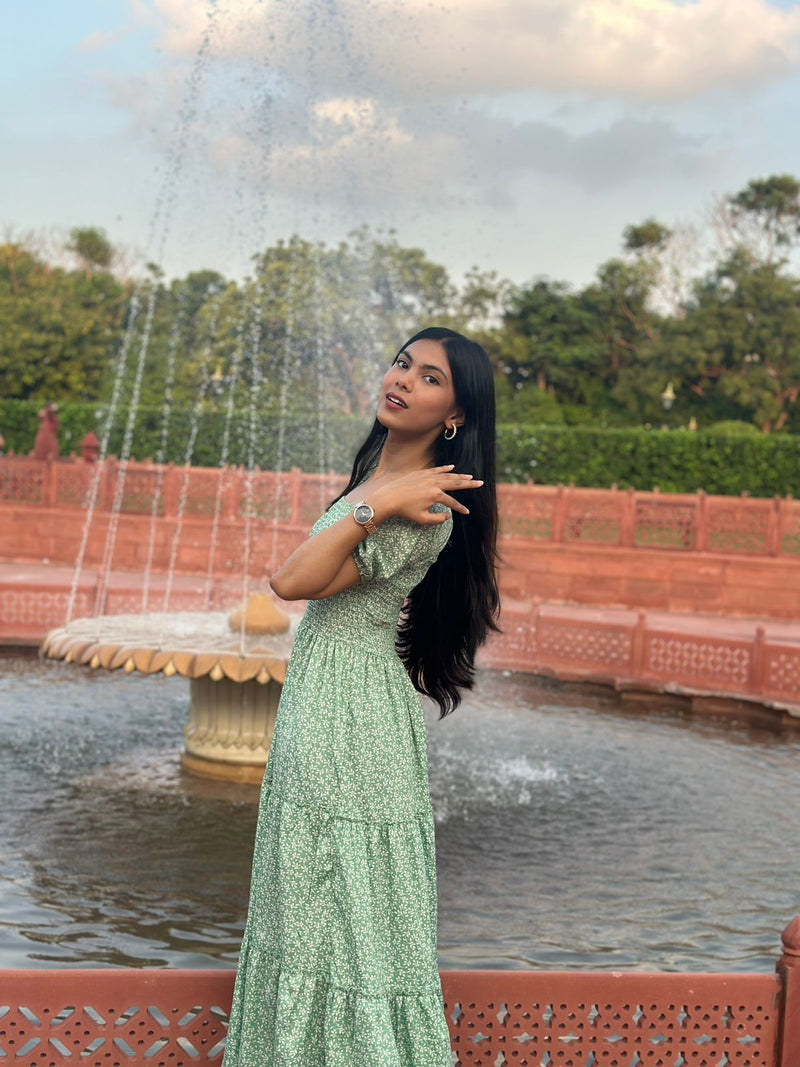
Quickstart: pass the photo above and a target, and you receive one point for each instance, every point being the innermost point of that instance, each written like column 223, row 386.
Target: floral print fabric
column 338, row 963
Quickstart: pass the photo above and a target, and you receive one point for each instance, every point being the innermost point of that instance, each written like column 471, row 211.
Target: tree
column 738, row 349
column 649, row 236
column 763, row 218
column 57, row 328
column 92, row 248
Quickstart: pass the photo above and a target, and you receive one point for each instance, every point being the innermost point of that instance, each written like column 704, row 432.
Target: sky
column 520, row 136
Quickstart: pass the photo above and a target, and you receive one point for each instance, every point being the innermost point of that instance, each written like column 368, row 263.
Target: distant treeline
column 652, row 341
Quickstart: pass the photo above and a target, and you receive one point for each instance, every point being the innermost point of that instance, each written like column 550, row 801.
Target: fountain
column 339, row 313
column 235, row 685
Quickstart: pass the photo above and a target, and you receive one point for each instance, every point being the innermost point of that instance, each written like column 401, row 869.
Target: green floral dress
column 338, row 963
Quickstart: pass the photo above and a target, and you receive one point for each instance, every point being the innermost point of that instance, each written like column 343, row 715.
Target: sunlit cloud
column 653, row 49
column 140, row 13
column 399, row 106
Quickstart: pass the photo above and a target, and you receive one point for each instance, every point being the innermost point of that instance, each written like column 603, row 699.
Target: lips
column 393, row 400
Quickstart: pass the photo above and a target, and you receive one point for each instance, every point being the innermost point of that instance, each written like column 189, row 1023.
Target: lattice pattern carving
column 141, row 490
column 519, row 641
column 790, row 528
column 783, row 673
column 39, row 607
column 530, row 516
column 739, row 527
column 116, row 1034
column 269, row 496
column 22, row 482
column 315, row 495
column 715, row 663
column 597, row 520
column 129, row 601
column 665, row 524
column 496, row 1018
column 584, row 644
column 646, row 1033
column 73, row 482
column 199, row 491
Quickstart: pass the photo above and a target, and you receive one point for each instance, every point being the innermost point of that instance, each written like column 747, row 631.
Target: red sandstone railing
column 560, row 515
column 662, row 653
column 497, row 1018
column 595, row 584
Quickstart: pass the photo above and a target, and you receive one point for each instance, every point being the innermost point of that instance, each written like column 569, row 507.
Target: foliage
column 676, row 462
column 737, row 351
column 729, row 426
column 56, row 327
column 205, row 360
column 650, row 235
column 91, row 247
column 725, row 463
column 206, row 428
column 765, row 215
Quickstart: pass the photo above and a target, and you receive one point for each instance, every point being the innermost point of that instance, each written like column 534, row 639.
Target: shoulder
column 432, row 537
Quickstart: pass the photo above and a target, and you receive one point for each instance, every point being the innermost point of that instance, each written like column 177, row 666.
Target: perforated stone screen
column 529, row 1019
column 607, row 1020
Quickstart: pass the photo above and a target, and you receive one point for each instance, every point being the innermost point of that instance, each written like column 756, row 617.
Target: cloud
column 361, row 155
column 644, row 49
column 101, row 40
column 348, row 115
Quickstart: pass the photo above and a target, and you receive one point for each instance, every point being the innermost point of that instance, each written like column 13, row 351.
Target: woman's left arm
column 324, row 564
column 321, row 566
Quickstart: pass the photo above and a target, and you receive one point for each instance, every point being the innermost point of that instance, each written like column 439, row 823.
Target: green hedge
column 676, row 461
column 301, row 448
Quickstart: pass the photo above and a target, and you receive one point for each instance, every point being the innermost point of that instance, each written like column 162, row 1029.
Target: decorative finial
column 261, row 616
column 791, row 938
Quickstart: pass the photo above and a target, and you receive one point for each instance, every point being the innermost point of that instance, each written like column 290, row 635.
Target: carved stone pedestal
column 236, row 664
column 230, row 728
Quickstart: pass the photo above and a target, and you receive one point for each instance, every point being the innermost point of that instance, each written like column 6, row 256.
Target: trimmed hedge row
column 676, row 461
column 301, row 440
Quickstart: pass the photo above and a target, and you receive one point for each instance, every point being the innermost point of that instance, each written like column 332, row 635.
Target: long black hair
column 449, row 614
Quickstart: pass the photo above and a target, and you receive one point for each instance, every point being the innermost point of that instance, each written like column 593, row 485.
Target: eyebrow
column 425, row 366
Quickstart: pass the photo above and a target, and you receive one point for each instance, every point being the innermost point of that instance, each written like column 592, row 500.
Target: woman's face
column 417, row 395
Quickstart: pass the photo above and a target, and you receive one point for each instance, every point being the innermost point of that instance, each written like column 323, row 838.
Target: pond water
column 573, row 830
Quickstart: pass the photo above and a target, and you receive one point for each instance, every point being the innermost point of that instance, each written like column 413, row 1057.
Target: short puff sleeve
column 400, row 545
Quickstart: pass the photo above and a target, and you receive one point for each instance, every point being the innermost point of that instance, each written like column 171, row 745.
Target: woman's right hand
column 411, row 496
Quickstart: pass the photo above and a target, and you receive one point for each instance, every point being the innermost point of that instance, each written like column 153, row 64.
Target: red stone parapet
column 521, row 1018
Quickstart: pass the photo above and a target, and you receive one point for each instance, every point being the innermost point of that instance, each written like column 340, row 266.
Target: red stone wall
column 689, row 594
column 731, row 556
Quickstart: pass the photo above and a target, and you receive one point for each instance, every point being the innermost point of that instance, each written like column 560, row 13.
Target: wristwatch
column 364, row 514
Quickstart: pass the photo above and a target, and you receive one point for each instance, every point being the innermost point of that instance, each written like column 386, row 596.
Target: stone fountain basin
column 236, row 678
column 194, row 644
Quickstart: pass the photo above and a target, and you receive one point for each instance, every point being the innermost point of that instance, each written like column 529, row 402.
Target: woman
column 338, row 964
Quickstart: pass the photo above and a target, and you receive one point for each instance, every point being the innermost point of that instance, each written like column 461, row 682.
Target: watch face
column 363, row 513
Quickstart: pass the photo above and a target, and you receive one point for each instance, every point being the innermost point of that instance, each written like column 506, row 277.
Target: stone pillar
column 230, row 728
column 788, row 968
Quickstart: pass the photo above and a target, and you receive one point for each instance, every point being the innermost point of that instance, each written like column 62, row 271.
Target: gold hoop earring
column 450, row 432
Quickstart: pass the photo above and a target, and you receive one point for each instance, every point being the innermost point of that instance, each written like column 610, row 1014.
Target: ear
column 457, row 417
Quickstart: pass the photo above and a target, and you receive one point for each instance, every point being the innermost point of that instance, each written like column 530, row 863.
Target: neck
column 400, row 456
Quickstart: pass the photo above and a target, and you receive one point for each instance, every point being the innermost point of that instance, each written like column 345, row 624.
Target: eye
column 430, row 378
column 400, row 362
